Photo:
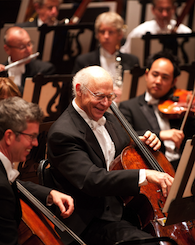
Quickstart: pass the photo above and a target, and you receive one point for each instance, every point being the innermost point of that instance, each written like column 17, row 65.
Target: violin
column 150, row 202
column 177, row 104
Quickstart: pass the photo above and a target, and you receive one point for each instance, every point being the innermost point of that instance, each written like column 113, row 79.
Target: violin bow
column 188, row 110
column 47, row 212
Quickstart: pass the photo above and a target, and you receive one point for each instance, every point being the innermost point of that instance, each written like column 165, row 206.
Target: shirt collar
column 150, row 99
column 93, row 124
column 12, row 173
column 40, row 22
column 104, row 53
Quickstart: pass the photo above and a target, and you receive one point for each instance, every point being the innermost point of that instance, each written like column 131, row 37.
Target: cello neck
column 134, row 136
column 47, row 212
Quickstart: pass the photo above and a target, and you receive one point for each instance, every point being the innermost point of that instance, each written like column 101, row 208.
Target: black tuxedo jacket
column 79, row 167
column 93, row 58
column 141, row 116
column 28, row 23
column 33, row 68
column 10, row 209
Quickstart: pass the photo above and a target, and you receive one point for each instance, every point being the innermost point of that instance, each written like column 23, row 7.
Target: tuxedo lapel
column 148, row 112
column 87, row 132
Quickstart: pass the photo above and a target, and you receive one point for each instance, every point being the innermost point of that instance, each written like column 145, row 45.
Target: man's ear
column 7, row 49
column 78, row 89
column 9, row 136
column 174, row 82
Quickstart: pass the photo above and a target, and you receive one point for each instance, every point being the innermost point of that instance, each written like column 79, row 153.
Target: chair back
column 52, row 93
column 44, row 174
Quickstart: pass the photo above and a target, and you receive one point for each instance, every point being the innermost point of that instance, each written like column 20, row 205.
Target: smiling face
column 100, row 82
column 21, row 144
column 160, row 78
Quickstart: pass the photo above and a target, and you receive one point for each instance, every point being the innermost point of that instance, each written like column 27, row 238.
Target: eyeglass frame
column 32, row 136
column 22, row 47
column 99, row 94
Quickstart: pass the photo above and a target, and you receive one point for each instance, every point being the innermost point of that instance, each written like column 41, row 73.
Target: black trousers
column 101, row 232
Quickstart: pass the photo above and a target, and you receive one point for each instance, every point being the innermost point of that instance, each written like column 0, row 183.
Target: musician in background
column 19, row 128
column 18, row 46
column 8, row 88
column 143, row 114
column 163, row 11
column 46, row 13
column 82, row 143
column 109, row 30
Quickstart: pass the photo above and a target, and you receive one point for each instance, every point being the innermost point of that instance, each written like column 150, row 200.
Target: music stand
column 180, row 202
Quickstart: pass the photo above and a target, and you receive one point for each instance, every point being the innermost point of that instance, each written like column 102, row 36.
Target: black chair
column 44, row 174
column 52, row 93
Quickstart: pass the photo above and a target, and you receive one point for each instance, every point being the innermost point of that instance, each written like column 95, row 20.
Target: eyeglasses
column 31, row 137
column 100, row 96
column 168, row 10
column 22, row 47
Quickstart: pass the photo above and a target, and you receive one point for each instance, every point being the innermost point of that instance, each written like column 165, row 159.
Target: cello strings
column 47, row 212
column 150, row 158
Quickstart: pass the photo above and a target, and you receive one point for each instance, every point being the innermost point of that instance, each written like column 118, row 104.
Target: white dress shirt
column 164, row 124
column 12, row 173
column 105, row 141
column 152, row 27
column 16, row 72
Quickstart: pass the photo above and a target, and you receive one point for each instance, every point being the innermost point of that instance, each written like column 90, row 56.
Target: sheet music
column 179, row 175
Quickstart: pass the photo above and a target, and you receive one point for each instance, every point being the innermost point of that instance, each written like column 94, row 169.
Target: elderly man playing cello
column 82, row 143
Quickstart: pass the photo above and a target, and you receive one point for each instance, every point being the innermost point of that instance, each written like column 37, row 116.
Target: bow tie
column 99, row 123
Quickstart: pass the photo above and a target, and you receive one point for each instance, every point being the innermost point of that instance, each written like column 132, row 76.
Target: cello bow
column 58, row 223
column 188, row 110
column 75, row 19
column 185, row 11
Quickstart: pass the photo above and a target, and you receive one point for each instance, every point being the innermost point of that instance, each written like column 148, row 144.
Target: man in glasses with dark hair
column 18, row 46
column 82, row 143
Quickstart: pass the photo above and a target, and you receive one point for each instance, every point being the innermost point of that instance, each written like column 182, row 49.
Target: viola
column 177, row 105
column 149, row 203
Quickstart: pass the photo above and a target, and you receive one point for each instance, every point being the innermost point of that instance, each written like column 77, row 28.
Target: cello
column 149, row 203
column 37, row 226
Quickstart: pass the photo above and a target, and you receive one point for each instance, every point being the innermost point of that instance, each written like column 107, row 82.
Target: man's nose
column 106, row 34
column 164, row 13
column 158, row 79
column 106, row 102
column 54, row 10
column 35, row 142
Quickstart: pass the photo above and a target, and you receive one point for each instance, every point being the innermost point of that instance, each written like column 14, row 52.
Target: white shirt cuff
column 142, row 177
